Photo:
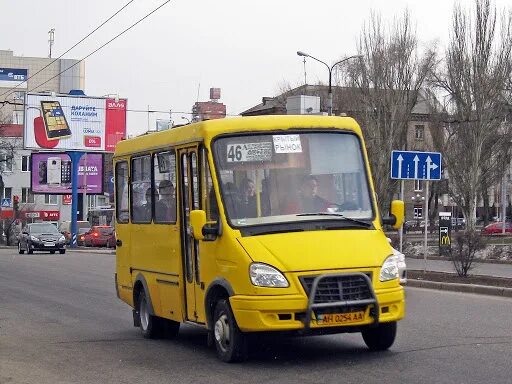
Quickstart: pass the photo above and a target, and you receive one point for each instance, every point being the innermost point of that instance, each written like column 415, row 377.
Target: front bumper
column 288, row 312
column 42, row 247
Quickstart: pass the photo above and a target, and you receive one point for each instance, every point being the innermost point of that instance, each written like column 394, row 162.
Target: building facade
column 19, row 75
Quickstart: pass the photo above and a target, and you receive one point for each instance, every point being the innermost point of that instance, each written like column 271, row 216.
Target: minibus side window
column 141, row 196
column 121, row 177
column 209, row 202
column 164, row 186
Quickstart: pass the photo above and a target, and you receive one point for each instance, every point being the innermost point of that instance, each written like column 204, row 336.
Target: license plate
column 49, row 244
column 340, row 318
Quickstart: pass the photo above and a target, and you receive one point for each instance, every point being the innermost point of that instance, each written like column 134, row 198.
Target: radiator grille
column 338, row 288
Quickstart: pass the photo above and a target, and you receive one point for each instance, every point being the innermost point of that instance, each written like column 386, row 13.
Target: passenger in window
column 309, row 201
column 165, row 207
column 146, row 207
column 309, row 198
column 232, row 200
column 248, row 203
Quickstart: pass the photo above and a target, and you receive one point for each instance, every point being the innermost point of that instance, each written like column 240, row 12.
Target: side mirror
column 397, row 214
column 202, row 229
column 198, row 221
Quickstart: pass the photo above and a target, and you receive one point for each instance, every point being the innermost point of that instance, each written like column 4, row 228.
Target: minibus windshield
column 292, row 177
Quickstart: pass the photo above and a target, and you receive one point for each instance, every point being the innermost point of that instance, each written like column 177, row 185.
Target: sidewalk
column 479, row 268
column 492, row 270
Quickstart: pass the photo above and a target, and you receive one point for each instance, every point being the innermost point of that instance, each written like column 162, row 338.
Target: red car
column 497, row 228
column 98, row 236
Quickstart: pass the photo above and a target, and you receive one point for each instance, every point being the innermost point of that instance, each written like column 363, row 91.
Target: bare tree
column 475, row 138
column 386, row 84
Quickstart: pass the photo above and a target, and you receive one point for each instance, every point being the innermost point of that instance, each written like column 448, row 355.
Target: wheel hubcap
column 144, row 314
column 222, row 332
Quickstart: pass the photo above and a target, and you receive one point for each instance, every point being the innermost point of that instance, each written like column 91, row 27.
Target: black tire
column 62, row 251
column 152, row 327
column 52, row 252
column 29, row 250
column 20, row 251
column 230, row 342
column 381, row 337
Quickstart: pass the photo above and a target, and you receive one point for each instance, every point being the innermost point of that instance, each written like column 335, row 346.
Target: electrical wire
column 99, row 48
column 84, row 38
column 127, row 110
column 104, row 45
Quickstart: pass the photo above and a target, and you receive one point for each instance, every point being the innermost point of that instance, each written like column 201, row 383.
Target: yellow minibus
column 255, row 224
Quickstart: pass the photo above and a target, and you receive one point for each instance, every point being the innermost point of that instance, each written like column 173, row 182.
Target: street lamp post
column 329, row 96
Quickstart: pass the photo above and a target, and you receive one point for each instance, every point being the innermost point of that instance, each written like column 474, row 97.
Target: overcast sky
column 246, row 48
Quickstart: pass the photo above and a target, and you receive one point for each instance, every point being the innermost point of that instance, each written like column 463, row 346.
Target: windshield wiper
column 338, row 215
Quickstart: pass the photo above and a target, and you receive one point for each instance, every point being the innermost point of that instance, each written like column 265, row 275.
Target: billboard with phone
column 51, row 173
column 79, row 123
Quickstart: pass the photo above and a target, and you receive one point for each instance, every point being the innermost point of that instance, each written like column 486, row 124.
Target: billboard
column 78, row 123
column 13, row 77
column 51, row 173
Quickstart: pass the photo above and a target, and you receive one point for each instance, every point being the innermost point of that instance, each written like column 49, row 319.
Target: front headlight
column 402, row 267
column 263, row 275
column 62, row 239
column 33, row 238
column 389, row 269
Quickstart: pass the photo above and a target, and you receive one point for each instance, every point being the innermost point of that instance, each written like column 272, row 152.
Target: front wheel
column 30, row 251
column 62, row 251
column 381, row 337
column 20, row 251
column 230, row 342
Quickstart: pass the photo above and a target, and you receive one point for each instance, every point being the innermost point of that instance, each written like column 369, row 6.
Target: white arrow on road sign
column 416, row 161
column 430, row 166
column 400, row 159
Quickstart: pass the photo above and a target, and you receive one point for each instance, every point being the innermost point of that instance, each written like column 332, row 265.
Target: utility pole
column 51, row 39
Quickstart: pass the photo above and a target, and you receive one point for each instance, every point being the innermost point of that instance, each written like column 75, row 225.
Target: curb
column 467, row 288
column 97, row 251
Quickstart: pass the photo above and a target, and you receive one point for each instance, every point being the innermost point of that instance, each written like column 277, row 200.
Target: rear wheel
column 230, row 342
column 153, row 327
column 20, row 251
column 381, row 337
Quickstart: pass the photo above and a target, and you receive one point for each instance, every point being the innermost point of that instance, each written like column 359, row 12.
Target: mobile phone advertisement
column 51, row 173
column 74, row 123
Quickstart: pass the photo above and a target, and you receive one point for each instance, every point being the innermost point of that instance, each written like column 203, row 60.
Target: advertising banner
column 445, row 233
column 76, row 123
column 51, row 173
column 13, row 77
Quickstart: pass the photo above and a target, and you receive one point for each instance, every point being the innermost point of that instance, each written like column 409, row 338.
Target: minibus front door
column 189, row 200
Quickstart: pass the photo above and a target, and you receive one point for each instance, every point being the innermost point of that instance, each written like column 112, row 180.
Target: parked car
column 65, row 229
column 497, row 228
column 98, row 236
column 111, row 242
column 81, row 235
column 41, row 237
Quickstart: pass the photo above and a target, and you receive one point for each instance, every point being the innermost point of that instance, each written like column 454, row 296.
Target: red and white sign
column 66, row 199
column 81, row 123
column 43, row 215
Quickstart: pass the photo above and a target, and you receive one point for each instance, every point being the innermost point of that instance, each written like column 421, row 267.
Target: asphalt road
column 60, row 322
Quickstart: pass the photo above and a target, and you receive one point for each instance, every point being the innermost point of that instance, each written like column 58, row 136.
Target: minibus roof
column 208, row 129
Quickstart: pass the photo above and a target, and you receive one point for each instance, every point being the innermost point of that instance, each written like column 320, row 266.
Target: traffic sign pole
column 75, row 158
column 425, row 249
column 401, row 231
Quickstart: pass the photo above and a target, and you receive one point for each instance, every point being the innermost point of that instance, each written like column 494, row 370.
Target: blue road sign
column 414, row 165
column 6, row 203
